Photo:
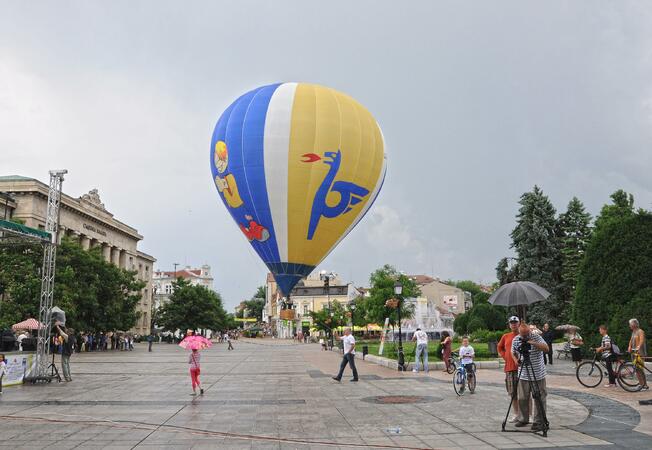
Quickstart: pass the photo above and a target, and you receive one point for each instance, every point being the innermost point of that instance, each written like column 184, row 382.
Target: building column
column 123, row 259
column 106, row 252
column 115, row 256
column 85, row 242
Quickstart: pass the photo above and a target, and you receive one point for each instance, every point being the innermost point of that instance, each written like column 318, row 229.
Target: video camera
column 524, row 348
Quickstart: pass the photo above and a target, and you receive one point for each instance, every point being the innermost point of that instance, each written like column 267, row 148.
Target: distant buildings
column 163, row 281
column 308, row 295
column 86, row 220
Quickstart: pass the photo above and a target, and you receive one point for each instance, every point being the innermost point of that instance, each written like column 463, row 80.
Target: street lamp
column 398, row 291
column 326, row 277
column 352, row 307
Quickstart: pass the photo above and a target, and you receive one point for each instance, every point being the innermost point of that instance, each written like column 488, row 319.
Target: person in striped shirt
column 607, row 354
column 535, row 374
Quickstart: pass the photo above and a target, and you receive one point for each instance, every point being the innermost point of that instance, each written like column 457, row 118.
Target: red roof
column 181, row 273
column 422, row 279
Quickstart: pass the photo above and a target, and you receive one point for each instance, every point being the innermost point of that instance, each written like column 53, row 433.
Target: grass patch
column 390, row 350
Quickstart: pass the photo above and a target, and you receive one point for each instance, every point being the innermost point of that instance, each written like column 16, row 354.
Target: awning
column 29, row 324
column 16, row 228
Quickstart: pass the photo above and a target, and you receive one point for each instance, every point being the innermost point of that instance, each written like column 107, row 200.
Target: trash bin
column 365, row 351
column 493, row 348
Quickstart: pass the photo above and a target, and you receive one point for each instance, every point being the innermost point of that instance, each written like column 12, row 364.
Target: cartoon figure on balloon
column 254, row 231
column 350, row 193
column 226, row 185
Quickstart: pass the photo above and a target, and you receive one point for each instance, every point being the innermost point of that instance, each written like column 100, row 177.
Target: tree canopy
column 615, row 278
column 192, row 307
column 96, row 295
column 382, row 283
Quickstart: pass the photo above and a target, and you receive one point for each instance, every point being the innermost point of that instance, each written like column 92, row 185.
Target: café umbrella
column 519, row 294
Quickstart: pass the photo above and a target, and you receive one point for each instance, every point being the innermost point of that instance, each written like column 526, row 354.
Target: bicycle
column 591, row 373
column 461, row 379
column 627, row 372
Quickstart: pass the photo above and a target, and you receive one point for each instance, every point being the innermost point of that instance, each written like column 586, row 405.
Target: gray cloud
column 478, row 102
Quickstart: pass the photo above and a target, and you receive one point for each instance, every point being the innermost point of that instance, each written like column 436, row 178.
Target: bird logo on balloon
column 350, row 193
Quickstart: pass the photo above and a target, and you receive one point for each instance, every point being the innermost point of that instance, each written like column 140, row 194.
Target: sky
column 478, row 102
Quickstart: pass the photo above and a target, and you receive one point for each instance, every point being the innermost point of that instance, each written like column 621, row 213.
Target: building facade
column 163, row 280
column 308, row 295
column 84, row 219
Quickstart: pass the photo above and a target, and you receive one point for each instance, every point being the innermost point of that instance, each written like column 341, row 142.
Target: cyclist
column 608, row 354
column 637, row 348
column 467, row 353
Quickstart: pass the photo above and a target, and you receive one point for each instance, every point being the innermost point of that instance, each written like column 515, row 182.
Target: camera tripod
column 54, row 372
column 526, row 365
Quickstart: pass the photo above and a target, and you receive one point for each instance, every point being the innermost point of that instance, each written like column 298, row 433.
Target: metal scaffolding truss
column 48, row 271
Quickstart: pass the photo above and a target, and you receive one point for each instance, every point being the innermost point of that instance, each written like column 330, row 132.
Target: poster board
column 19, row 366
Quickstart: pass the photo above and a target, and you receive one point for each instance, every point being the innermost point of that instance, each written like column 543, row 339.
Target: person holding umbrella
column 194, row 344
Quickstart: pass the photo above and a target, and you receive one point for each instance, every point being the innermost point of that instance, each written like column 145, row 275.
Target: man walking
column 532, row 343
column 422, row 349
column 511, row 368
column 548, row 335
column 349, row 355
column 67, row 348
column 150, row 339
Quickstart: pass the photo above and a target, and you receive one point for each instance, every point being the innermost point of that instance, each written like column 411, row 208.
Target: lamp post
column 352, row 307
column 326, row 278
column 398, row 290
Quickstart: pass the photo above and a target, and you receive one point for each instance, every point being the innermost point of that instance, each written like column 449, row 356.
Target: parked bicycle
column 591, row 373
column 461, row 379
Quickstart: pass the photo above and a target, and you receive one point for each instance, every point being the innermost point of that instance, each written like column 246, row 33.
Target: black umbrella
column 519, row 294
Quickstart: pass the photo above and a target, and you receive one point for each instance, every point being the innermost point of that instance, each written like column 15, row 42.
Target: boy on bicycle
column 467, row 353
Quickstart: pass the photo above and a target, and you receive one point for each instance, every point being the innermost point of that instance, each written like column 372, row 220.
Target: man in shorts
column 511, row 368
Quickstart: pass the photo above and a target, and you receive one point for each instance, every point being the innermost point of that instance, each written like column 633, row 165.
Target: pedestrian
column 446, row 348
column 349, row 356
column 195, row 369
column 3, row 369
column 608, row 354
column 322, row 343
column 467, row 353
column 228, row 340
column 535, row 374
column 421, row 349
column 150, row 340
column 575, row 341
column 638, row 349
column 67, row 349
column 511, row 367
column 548, row 335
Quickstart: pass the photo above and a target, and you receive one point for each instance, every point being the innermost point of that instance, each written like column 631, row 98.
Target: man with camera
column 527, row 350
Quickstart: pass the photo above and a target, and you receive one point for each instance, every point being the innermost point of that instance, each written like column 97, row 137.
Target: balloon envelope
column 297, row 165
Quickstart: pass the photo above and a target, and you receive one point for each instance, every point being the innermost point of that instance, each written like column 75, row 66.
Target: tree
column 535, row 239
column 256, row 304
column 382, row 283
column 324, row 320
column 575, row 233
column 96, row 295
column 615, row 278
column 192, row 307
column 506, row 274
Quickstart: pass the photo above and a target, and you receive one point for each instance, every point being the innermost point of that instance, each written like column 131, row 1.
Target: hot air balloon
column 297, row 165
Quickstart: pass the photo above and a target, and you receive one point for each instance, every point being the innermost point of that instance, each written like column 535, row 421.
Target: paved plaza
column 277, row 394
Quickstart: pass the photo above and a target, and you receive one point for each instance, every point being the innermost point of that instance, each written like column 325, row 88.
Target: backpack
column 615, row 349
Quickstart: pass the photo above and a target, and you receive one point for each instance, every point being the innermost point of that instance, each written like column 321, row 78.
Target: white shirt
column 349, row 342
column 467, row 353
column 422, row 337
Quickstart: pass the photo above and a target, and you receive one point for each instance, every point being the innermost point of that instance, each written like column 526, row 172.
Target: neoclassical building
column 87, row 220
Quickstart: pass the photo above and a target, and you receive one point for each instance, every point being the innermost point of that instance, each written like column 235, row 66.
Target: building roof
column 16, row 178
column 181, row 273
column 422, row 279
column 144, row 255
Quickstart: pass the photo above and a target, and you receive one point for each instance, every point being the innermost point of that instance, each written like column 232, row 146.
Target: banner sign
column 246, row 319
column 18, row 367
column 382, row 336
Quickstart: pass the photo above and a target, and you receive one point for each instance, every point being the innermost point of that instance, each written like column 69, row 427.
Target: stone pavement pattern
column 274, row 394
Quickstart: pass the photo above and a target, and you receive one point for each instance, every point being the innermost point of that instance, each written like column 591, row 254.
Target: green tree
column 325, row 320
column 256, row 304
column 382, row 283
column 505, row 273
column 615, row 278
column 535, row 239
column 575, row 233
column 96, row 295
column 193, row 307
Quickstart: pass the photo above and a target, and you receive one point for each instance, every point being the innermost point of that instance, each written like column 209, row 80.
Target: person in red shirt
column 511, row 368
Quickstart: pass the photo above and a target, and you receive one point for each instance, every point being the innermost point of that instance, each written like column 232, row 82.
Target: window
column 168, row 288
column 305, row 310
